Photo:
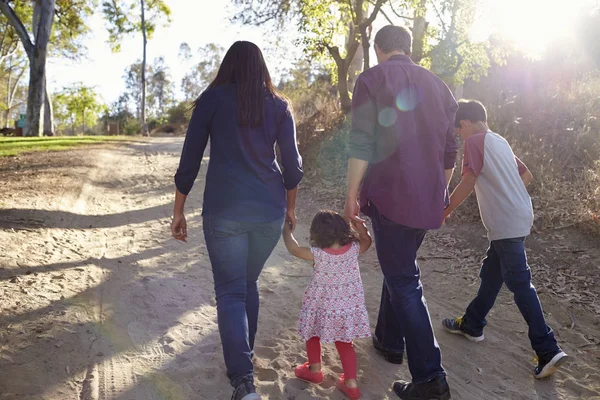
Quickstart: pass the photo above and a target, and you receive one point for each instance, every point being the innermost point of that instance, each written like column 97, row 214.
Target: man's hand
column 290, row 219
column 179, row 227
column 351, row 210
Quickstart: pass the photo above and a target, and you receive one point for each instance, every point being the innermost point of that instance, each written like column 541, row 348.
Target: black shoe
column 549, row 364
column 393, row 357
column 456, row 326
column 245, row 390
column 435, row 389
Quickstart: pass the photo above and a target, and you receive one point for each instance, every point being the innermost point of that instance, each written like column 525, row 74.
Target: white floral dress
column 333, row 306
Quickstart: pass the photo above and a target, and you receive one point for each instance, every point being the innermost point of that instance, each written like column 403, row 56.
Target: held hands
column 360, row 227
column 351, row 210
column 179, row 228
column 290, row 220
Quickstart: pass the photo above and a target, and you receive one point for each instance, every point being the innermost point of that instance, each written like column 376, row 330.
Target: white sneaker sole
column 553, row 365
column 471, row 338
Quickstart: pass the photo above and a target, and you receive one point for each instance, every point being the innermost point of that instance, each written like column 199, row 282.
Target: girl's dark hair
column 328, row 228
column 244, row 66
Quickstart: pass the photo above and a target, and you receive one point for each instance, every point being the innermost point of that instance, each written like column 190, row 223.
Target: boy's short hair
column 393, row 38
column 470, row 110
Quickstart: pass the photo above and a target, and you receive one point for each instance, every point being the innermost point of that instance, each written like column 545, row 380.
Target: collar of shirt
column 401, row 57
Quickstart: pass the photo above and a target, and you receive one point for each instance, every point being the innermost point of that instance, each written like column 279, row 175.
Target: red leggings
column 345, row 350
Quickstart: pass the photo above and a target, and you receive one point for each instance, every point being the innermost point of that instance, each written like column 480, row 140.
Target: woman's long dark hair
column 244, row 66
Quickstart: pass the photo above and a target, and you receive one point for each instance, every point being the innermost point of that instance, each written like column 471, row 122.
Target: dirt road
column 98, row 302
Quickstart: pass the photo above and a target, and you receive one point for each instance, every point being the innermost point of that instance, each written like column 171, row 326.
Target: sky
column 530, row 24
column 197, row 22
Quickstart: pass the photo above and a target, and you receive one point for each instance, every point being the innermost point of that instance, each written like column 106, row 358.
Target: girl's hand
column 179, row 227
column 290, row 219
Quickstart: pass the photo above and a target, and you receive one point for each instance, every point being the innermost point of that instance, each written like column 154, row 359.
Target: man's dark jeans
column 506, row 262
column 403, row 314
column 238, row 252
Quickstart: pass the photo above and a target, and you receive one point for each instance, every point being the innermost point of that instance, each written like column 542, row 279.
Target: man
column 403, row 143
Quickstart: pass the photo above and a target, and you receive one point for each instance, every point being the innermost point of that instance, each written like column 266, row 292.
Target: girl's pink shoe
column 303, row 372
column 351, row 393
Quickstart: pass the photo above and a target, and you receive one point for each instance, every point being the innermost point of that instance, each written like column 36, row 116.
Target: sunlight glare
column 530, row 25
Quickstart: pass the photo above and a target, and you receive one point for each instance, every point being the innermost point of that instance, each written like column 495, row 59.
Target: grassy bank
column 12, row 146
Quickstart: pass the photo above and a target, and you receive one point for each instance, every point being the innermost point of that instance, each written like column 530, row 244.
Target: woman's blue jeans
column 238, row 252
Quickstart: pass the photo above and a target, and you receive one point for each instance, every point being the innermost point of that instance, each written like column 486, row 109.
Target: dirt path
column 97, row 302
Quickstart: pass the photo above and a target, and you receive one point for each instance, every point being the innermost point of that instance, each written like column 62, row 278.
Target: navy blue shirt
column 244, row 181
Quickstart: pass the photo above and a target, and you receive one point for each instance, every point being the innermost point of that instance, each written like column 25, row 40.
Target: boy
column 500, row 179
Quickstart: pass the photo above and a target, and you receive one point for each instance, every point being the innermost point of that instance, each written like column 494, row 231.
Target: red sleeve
column 473, row 154
column 522, row 167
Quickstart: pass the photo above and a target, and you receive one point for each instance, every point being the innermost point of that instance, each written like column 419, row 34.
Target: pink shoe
column 351, row 393
column 303, row 372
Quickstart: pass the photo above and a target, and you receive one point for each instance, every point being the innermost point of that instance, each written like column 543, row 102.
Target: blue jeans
column 506, row 262
column 403, row 314
column 238, row 252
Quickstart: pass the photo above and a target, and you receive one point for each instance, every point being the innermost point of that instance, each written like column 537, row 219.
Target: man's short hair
column 470, row 110
column 393, row 38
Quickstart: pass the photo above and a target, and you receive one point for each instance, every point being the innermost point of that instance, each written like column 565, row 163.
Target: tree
column 322, row 23
column 38, row 17
column 79, row 107
column 160, row 88
column 126, row 18
column 203, row 72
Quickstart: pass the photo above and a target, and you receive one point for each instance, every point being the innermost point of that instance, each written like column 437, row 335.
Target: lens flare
column 387, row 117
column 408, row 99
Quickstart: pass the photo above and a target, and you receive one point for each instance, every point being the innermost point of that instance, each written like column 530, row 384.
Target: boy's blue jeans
column 403, row 314
column 506, row 262
column 238, row 252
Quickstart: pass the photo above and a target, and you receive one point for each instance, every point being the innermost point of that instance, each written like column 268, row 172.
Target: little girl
column 333, row 306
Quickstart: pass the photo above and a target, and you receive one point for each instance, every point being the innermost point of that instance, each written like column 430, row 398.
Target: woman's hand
column 179, row 227
column 290, row 218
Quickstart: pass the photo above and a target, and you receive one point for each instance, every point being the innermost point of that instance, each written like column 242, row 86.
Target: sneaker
column 456, row 326
column 548, row 365
column 393, row 357
column 351, row 393
column 245, row 391
column 435, row 389
column 304, row 373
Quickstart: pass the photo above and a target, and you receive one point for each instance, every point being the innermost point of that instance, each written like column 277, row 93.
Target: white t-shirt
column 504, row 203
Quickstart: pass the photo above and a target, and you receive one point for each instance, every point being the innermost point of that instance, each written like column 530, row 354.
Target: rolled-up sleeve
column 364, row 123
column 288, row 148
column 451, row 107
column 195, row 143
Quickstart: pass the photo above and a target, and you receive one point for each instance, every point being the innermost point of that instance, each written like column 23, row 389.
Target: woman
column 247, row 197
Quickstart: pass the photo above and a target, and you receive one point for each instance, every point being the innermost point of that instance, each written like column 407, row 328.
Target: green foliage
column 77, row 106
column 180, row 113
column 203, row 72
column 160, row 89
column 124, row 18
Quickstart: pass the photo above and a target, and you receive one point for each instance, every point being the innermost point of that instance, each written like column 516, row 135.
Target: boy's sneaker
column 456, row 326
column 435, row 389
column 245, row 390
column 549, row 364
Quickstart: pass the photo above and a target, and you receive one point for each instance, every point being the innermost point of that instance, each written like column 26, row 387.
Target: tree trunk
column 48, row 115
column 44, row 16
column 144, row 125
column 365, row 37
column 418, row 31
column 345, row 100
